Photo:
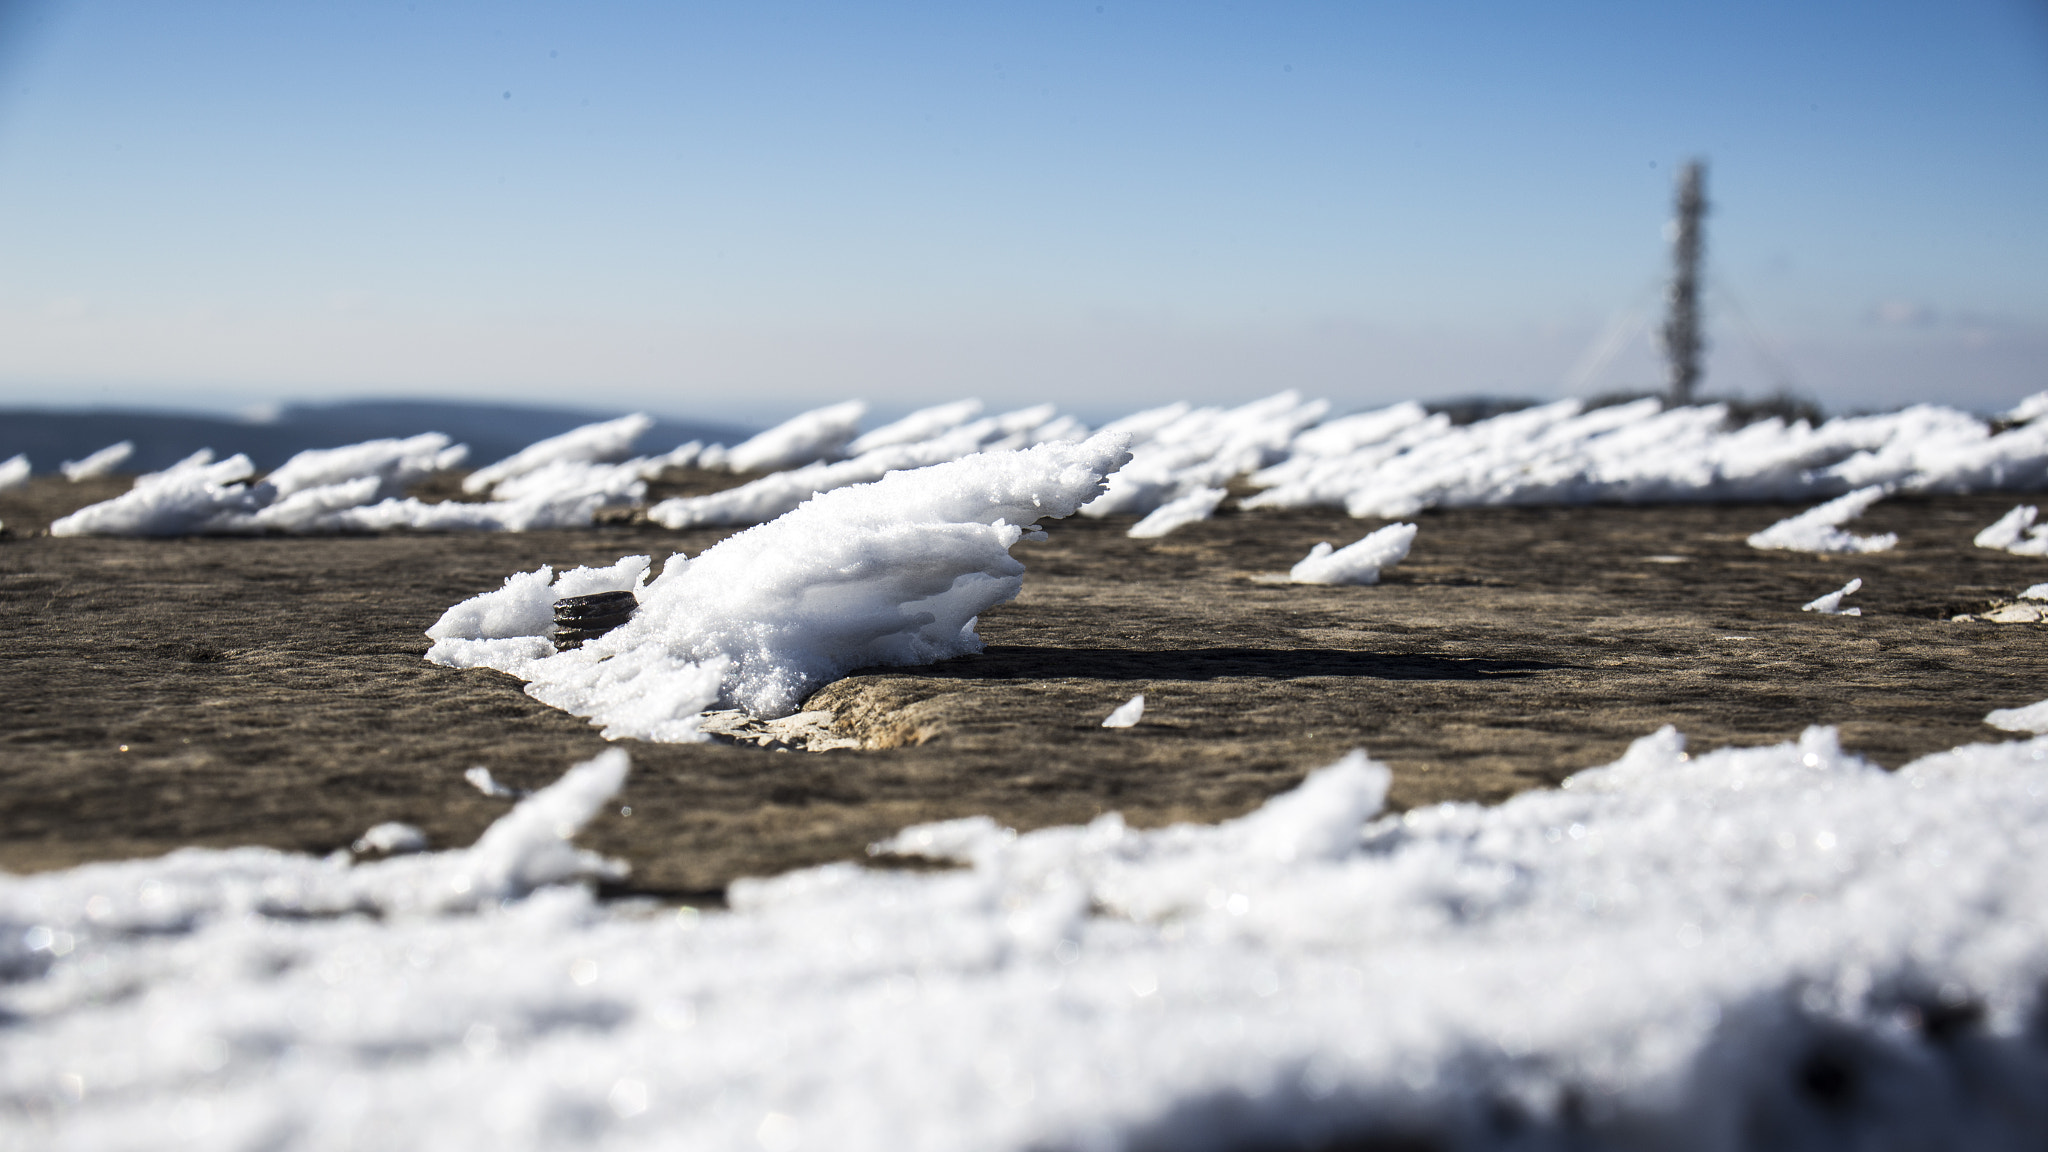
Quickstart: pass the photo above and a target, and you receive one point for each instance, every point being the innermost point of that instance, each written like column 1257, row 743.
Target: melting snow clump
column 1831, row 604
column 1359, row 562
column 1750, row 947
column 1126, row 714
column 888, row 573
column 2017, row 533
column 1819, row 529
column 14, row 472
column 2032, row 718
column 1188, row 508
column 100, row 463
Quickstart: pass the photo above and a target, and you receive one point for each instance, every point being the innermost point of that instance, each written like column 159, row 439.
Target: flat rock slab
column 160, row 693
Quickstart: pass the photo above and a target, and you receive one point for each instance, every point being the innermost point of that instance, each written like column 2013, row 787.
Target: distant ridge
column 492, row 431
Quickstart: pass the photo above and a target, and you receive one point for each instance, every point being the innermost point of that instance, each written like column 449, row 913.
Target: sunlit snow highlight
column 1819, row 529
column 888, row 573
column 1784, row 946
column 1359, row 562
column 1831, row 604
column 100, row 463
column 1126, row 714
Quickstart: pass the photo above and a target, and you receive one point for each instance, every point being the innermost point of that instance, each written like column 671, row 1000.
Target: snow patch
column 1126, row 714
column 1831, row 604
column 1819, row 529
column 892, row 572
column 1359, row 562
column 1747, row 947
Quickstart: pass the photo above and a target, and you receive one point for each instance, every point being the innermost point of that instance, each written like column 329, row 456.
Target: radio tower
column 1682, row 338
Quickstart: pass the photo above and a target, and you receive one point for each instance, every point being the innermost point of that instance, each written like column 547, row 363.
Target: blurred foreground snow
column 1778, row 947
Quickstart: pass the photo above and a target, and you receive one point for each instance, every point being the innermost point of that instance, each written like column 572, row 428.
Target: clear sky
column 738, row 210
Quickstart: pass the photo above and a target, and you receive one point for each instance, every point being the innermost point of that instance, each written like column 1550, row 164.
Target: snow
column 1389, row 463
column 396, row 464
column 2017, row 533
column 2035, row 592
column 923, row 424
column 815, row 435
column 892, row 572
column 14, row 472
column 2032, row 408
column 356, row 489
column 2032, row 718
column 1819, row 529
column 1126, row 714
column 1177, row 452
column 389, row 838
column 1831, row 604
column 767, row 497
column 1188, row 508
column 100, row 463
column 602, row 442
column 1784, row 946
column 1359, row 562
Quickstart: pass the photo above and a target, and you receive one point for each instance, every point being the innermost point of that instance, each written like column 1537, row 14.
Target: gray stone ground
column 160, row 693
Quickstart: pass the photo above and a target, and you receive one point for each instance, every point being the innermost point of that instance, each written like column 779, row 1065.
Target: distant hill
column 492, row 431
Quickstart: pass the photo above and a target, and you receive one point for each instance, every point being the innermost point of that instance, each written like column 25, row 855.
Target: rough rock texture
column 271, row 691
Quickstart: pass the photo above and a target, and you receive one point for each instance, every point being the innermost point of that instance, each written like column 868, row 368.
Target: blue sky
column 740, row 210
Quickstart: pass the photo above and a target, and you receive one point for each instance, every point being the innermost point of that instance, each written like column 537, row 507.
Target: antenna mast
column 1682, row 338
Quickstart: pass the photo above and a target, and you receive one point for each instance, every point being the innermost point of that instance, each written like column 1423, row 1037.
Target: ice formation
column 14, row 472
column 815, row 435
column 390, row 838
column 598, row 443
column 351, row 489
column 1187, row 508
column 1831, row 604
column 1126, row 714
column 2032, row 408
column 2017, row 533
column 761, row 500
column 2032, row 718
column 396, row 464
column 888, row 573
column 2035, row 592
column 1784, row 946
column 100, row 463
column 1359, row 562
column 1178, row 453
column 923, row 424
column 1819, row 529
column 1388, row 463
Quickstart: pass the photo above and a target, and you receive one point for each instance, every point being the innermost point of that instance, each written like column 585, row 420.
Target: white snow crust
column 2032, row 718
column 14, row 472
column 892, row 572
column 100, row 463
column 1775, row 947
column 352, row 489
column 815, row 435
column 1388, row 463
column 1187, row 508
column 2017, row 533
column 602, row 442
column 1359, row 562
column 767, row 497
column 1126, row 714
column 1819, row 529
column 1831, row 604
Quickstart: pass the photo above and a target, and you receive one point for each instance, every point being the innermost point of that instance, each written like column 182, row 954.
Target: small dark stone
column 596, row 604
column 580, row 618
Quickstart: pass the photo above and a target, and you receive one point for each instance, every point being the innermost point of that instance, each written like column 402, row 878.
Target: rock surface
column 233, row 691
